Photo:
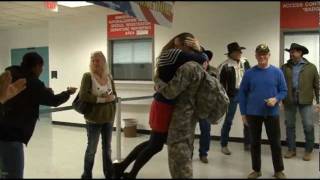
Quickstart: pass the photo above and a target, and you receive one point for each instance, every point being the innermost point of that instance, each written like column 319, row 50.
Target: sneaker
column 225, row 150
column 204, row 159
column 307, row 156
column 247, row 147
column 254, row 175
column 290, row 154
column 279, row 175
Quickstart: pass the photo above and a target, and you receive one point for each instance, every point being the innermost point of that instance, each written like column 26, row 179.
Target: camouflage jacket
column 213, row 71
column 199, row 95
column 183, row 87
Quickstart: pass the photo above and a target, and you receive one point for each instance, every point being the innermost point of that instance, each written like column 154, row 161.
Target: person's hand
column 271, row 101
column 317, row 108
column 51, row 90
column 281, row 106
column 156, row 87
column 104, row 95
column 193, row 43
column 244, row 120
column 7, row 89
column 71, row 90
column 110, row 98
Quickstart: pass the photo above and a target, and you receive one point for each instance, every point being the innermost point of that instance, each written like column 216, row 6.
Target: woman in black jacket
column 22, row 113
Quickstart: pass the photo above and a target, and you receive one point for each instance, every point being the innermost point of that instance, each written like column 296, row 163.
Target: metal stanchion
column 118, row 130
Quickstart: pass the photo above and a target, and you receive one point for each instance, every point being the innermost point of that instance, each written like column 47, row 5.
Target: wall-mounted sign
column 156, row 12
column 300, row 14
column 123, row 25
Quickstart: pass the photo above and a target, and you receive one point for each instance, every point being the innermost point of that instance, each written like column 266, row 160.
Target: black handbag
column 81, row 106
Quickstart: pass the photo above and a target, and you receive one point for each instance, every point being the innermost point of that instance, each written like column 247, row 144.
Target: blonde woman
column 97, row 88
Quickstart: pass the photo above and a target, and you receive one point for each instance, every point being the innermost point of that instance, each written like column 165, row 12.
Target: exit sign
column 51, row 5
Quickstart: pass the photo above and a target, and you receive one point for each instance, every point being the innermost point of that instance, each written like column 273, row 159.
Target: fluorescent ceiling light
column 73, row 4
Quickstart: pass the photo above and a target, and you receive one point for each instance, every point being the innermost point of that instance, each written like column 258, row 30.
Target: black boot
column 128, row 176
column 117, row 170
column 86, row 176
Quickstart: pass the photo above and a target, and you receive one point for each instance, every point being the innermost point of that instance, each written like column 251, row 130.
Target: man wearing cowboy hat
column 303, row 85
column 231, row 72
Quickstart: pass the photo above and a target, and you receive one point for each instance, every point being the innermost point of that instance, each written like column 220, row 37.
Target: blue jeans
column 93, row 133
column 228, row 123
column 205, row 128
column 11, row 160
column 307, row 122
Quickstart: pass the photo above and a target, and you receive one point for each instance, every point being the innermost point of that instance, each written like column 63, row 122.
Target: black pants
column 272, row 126
column 144, row 152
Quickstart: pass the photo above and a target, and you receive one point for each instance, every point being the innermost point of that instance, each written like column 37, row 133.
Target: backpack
column 212, row 100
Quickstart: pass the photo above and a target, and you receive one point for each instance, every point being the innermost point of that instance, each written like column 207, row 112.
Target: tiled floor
column 58, row 151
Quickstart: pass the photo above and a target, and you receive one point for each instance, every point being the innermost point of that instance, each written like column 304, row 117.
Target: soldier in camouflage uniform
column 184, row 86
column 198, row 95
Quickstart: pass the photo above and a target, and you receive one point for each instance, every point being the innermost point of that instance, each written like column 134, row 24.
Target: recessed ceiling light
column 73, row 4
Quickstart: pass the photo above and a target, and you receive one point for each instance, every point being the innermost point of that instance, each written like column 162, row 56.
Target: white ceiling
column 17, row 14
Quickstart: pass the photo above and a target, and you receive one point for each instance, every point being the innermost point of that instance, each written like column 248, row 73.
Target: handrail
column 118, row 121
column 65, row 108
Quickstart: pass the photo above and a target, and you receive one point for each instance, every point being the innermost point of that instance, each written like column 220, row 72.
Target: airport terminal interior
column 137, row 67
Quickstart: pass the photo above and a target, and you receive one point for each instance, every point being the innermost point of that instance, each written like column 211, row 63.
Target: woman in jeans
column 22, row 113
column 97, row 88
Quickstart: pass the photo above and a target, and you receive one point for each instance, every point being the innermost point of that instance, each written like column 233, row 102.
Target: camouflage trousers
column 180, row 159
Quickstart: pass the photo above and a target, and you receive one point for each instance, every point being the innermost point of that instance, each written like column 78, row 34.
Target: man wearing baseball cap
column 262, row 88
column 303, row 87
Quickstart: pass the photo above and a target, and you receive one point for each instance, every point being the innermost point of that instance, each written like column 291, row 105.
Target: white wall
column 4, row 60
column 21, row 38
column 71, row 40
column 218, row 23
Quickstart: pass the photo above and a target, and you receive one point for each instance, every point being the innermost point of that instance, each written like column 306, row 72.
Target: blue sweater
column 259, row 84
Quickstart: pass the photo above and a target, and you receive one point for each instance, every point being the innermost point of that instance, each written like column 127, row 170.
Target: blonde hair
column 99, row 54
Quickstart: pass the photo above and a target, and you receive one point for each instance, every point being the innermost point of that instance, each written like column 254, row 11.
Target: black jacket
column 22, row 111
column 1, row 112
column 228, row 77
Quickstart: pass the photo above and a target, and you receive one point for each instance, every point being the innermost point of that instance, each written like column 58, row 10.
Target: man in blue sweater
column 261, row 90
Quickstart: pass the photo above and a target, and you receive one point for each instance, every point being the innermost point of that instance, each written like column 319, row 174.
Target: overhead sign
column 156, row 12
column 300, row 14
column 123, row 25
column 51, row 5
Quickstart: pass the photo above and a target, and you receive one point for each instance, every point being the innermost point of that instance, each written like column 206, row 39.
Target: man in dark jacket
column 22, row 113
column 302, row 79
column 205, row 126
column 231, row 72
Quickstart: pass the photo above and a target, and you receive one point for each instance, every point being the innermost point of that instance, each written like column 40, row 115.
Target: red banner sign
column 122, row 25
column 300, row 14
column 52, row 5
